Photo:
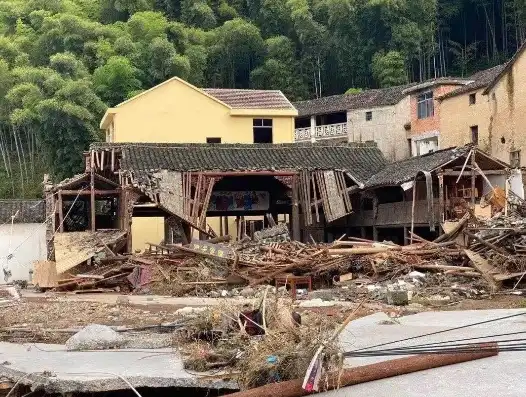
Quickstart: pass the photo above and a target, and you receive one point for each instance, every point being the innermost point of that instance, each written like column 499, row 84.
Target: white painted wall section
column 27, row 244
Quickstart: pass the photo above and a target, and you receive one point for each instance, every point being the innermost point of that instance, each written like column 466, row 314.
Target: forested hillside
column 62, row 62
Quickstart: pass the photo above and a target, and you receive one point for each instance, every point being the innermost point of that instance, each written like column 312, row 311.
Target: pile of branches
column 255, row 345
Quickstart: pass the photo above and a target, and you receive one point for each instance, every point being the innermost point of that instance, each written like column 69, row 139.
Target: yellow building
column 178, row 112
column 490, row 112
column 507, row 113
column 464, row 112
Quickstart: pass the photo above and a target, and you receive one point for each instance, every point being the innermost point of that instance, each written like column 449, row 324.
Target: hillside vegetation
column 62, row 62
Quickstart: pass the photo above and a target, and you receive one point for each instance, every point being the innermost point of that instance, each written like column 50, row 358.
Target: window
column 262, row 129
column 427, row 145
column 472, row 99
column 426, row 107
column 515, row 159
column 368, row 116
column 213, row 140
column 475, row 134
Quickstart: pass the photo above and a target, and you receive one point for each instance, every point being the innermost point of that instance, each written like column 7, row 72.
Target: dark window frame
column 515, row 161
column 263, row 130
column 368, row 116
column 212, row 139
column 472, row 99
column 474, row 134
column 425, row 105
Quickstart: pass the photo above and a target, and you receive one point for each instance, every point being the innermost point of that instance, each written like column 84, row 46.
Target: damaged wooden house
column 421, row 194
column 317, row 191
column 199, row 189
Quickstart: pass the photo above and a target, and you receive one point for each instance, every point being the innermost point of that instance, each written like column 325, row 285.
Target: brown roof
column 339, row 103
column 506, row 68
column 480, row 80
column 250, row 99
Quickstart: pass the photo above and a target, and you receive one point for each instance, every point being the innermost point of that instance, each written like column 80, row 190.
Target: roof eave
column 107, row 118
column 264, row 112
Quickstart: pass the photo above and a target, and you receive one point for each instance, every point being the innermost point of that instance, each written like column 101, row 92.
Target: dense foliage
column 62, row 62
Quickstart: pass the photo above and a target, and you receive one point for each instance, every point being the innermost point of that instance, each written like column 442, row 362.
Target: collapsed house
column 321, row 191
column 194, row 186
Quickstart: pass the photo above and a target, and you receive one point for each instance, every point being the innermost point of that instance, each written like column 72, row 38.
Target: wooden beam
column 296, row 234
column 60, row 212
column 87, row 193
column 487, row 172
column 92, row 199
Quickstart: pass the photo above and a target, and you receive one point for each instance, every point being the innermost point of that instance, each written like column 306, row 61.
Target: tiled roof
column 339, row 103
column 506, row 68
column 29, row 211
column 437, row 82
column 360, row 160
column 250, row 99
column 480, row 80
column 405, row 170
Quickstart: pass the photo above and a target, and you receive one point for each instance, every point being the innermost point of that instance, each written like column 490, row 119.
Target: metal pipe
column 367, row 373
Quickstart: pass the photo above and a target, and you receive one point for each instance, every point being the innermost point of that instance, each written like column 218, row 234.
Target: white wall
column 386, row 128
column 31, row 237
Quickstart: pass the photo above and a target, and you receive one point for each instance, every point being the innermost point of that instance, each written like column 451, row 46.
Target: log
column 361, row 250
column 443, row 267
column 487, row 244
column 368, row 373
column 484, row 268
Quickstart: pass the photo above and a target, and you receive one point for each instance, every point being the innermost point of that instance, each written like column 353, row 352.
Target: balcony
column 321, row 132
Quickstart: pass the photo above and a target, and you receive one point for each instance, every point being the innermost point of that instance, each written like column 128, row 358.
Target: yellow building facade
column 178, row 112
column 490, row 112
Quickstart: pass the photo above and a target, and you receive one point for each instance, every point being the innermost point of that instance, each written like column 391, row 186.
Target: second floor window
column 425, row 105
column 262, row 129
column 368, row 116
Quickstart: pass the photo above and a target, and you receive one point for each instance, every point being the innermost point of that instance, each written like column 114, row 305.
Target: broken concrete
column 53, row 369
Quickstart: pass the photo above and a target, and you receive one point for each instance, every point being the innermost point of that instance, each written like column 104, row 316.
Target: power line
column 438, row 332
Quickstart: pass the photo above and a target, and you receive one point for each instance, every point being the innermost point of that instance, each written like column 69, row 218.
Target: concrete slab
column 55, row 370
column 502, row 375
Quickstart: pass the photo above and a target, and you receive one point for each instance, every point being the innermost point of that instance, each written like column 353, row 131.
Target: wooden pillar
column 441, row 201
column 375, row 214
column 252, row 229
column 50, row 218
column 221, row 226
column 363, row 233
column 226, row 225
column 60, row 212
column 296, row 233
column 473, row 164
column 313, row 128
column 92, row 199
column 406, row 235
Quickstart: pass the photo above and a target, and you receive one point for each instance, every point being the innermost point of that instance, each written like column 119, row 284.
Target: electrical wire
column 438, row 332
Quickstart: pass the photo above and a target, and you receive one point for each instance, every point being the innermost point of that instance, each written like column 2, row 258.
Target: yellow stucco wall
column 507, row 101
column 457, row 117
column 175, row 112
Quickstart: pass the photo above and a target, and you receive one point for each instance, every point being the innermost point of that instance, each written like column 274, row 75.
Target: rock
column 214, row 294
column 316, row 303
column 397, row 297
column 185, row 311
column 248, row 292
column 323, row 294
column 283, row 288
column 438, row 299
column 95, row 337
column 225, row 293
column 415, row 274
column 122, row 300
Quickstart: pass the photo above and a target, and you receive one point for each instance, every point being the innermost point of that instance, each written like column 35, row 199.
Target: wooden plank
column 112, row 160
column 296, row 234
column 206, row 201
column 488, row 271
column 45, row 274
column 315, row 198
column 87, row 193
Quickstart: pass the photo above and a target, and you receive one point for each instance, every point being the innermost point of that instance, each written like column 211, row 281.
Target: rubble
column 95, row 337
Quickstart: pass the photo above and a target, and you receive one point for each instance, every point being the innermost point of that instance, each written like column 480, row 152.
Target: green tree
column 389, row 69
column 115, row 80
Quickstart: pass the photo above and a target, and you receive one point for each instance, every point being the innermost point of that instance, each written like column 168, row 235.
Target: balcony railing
column 321, row 132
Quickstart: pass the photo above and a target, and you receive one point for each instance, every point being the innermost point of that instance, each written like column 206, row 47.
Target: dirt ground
column 36, row 321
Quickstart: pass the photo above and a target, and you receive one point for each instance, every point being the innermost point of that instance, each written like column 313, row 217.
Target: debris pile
column 265, row 343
